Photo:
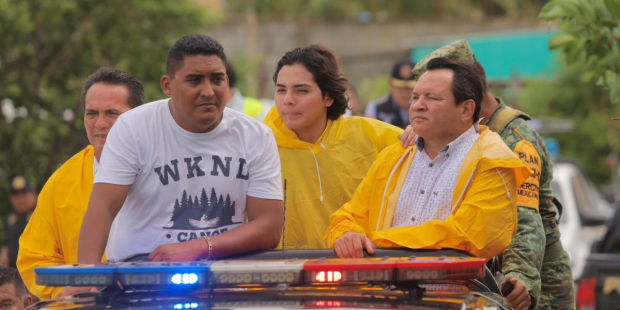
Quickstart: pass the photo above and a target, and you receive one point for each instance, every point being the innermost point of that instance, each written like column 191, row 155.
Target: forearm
column 523, row 258
column 94, row 235
column 106, row 201
column 340, row 228
column 260, row 234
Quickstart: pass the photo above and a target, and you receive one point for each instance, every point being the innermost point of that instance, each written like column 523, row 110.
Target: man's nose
column 206, row 90
column 288, row 98
column 102, row 122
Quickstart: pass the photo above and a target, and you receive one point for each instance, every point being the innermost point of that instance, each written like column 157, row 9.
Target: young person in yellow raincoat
column 456, row 188
column 324, row 156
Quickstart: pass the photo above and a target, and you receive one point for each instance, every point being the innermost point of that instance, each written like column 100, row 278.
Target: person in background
column 13, row 293
column 51, row 236
column 324, row 155
column 354, row 106
column 249, row 106
column 23, row 201
column 394, row 107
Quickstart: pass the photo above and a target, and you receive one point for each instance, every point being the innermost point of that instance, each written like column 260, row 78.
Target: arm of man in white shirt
column 105, row 202
column 261, row 232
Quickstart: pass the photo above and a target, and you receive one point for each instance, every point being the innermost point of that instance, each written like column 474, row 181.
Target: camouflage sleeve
column 524, row 257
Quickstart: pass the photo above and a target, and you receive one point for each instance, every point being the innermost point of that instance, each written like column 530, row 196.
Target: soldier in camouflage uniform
column 535, row 258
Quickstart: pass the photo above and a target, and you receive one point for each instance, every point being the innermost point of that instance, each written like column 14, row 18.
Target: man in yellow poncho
column 324, row 156
column 51, row 237
column 456, row 188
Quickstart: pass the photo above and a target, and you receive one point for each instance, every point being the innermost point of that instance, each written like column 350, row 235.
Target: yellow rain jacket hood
column 52, row 234
column 484, row 213
column 323, row 176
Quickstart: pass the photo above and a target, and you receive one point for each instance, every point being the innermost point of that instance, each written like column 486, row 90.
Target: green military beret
column 456, row 51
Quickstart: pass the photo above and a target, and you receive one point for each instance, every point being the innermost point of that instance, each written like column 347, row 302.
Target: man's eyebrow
column 6, row 300
column 301, row 85
column 295, row 86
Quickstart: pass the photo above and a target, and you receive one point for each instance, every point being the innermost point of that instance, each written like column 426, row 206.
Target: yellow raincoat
column 321, row 177
column 52, row 234
column 484, row 213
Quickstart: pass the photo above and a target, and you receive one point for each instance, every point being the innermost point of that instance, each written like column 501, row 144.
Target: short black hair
column 232, row 75
column 116, row 77
column 466, row 83
column 323, row 65
column 195, row 44
column 9, row 275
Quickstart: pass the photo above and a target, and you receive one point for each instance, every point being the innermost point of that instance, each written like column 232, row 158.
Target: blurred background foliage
column 382, row 11
column 48, row 49
column 586, row 89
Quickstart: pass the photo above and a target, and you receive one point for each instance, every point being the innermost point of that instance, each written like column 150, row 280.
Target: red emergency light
column 349, row 270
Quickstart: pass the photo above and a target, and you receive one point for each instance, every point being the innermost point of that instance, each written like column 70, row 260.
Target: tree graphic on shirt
column 207, row 213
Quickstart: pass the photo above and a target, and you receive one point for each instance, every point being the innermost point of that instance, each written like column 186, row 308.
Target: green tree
column 589, row 108
column 49, row 48
column 589, row 32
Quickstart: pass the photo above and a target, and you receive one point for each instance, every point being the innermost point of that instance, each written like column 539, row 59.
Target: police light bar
column 76, row 275
column 256, row 272
column 172, row 274
column 439, row 268
column 349, row 270
column 262, row 272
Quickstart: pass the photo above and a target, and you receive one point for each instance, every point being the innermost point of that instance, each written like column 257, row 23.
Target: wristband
column 210, row 247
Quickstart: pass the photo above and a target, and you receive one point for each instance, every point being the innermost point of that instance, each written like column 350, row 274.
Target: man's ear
column 165, row 85
column 328, row 101
column 467, row 111
column 29, row 300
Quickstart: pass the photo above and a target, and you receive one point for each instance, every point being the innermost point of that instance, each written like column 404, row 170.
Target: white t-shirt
column 185, row 185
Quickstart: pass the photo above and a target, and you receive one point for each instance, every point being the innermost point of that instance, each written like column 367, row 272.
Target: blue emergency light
column 174, row 274
column 187, row 305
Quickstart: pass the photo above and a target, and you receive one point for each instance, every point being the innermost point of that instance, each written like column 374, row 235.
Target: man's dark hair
column 466, row 83
column 116, row 77
column 482, row 74
column 323, row 65
column 232, row 75
column 10, row 275
column 195, row 44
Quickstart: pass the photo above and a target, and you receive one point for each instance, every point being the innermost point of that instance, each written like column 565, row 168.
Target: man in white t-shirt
column 185, row 178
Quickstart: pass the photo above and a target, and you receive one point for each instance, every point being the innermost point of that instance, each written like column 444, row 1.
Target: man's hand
column 517, row 294
column 408, row 137
column 72, row 290
column 352, row 245
column 180, row 252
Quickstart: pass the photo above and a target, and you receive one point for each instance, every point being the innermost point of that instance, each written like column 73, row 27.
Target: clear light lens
column 192, row 305
column 328, row 276
column 184, row 278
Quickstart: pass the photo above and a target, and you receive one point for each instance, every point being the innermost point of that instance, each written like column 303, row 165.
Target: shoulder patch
column 528, row 193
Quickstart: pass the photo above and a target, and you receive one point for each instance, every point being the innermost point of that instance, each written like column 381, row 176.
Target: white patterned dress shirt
column 428, row 190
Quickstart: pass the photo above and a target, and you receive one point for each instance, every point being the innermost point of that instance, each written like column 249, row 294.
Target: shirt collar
column 474, row 129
